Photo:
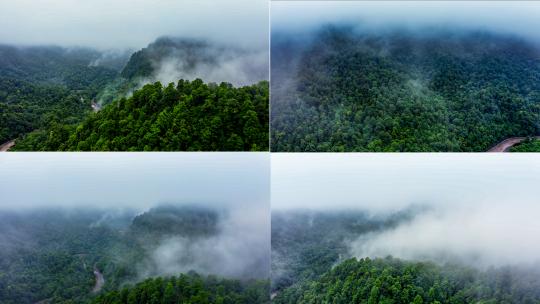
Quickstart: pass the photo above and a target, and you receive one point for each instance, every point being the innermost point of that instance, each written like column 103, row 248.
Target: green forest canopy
column 43, row 86
column 190, row 116
column 398, row 91
column 389, row 280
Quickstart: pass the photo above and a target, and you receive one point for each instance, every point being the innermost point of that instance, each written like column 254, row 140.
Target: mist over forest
column 181, row 84
column 404, row 76
column 445, row 228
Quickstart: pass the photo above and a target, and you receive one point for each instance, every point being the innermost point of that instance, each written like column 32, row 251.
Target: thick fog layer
column 132, row 180
column 515, row 17
column 480, row 209
column 132, row 24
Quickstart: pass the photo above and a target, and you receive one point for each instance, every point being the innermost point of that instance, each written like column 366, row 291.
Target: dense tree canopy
column 397, row 91
column 44, row 86
column 396, row 281
column 190, row 116
column 189, row 289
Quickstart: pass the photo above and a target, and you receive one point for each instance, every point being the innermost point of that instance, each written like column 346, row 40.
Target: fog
column 510, row 17
column 476, row 208
column 132, row 180
column 132, row 24
column 241, row 249
column 109, row 189
column 178, row 58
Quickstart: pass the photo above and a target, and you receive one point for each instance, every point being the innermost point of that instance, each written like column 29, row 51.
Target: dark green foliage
column 530, row 145
column 311, row 264
column 400, row 282
column 188, row 289
column 306, row 244
column 189, row 52
column 192, row 116
column 396, row 91
column 41, row 87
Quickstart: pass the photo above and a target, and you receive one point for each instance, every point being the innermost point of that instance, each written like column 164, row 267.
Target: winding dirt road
column 100, row 281
column 6, row 146
column 505, row 145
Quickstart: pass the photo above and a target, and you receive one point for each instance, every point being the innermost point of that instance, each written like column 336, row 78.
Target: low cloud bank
column 483, row 234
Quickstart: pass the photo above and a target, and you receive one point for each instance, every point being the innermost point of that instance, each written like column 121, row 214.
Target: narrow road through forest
column 6, row 146
column 505, row 145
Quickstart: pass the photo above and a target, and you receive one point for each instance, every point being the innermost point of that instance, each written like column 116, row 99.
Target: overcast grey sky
column 381, row 182
column 132, row 23
column 134, row 180
column 520, row 17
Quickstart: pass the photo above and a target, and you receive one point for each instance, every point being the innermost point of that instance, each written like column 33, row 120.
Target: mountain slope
column 397, row 91
column 192, row 116
column 43, row 86
column 190, row 288
column 52, row 254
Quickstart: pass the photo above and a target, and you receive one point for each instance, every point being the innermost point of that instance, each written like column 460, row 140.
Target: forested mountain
column 189, row 289
column 344, row 89
column 170, row 58
column 56, row 256
column 44, row 86
column 313, row 262
column 188, row 116
column 392, row 280
column 48, row 96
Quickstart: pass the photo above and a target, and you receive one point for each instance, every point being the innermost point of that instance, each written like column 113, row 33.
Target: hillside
column 44, row 86
column 48, row 96
column 168, row 59
column 392, row 280
column 307, row 244
column 313, row 261
column 190, row 288
column 188, row 116
column 343, row 89
column 51, row 255
column 529, row 145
